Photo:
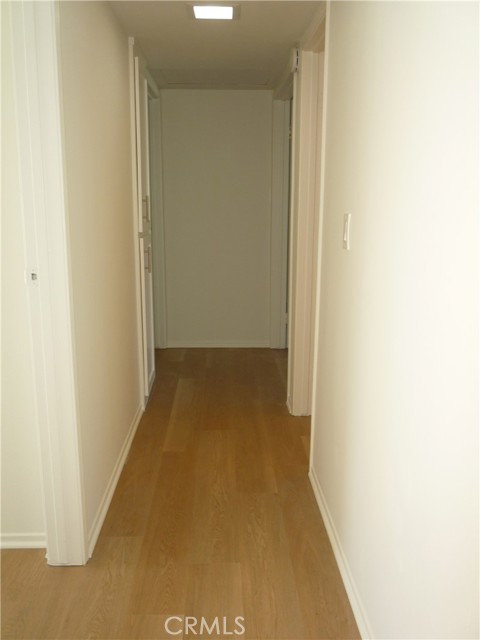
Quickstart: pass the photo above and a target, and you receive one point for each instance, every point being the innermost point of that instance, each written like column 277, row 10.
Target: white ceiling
column 249, row 53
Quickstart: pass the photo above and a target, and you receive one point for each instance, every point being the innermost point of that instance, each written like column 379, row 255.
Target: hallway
column 213, row 517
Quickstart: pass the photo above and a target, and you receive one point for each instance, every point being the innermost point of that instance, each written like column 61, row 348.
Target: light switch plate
column 346, row 231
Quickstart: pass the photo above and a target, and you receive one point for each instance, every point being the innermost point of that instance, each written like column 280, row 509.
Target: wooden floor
column 213, row 517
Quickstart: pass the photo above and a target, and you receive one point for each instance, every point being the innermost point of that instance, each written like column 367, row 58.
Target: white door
column 144, row 224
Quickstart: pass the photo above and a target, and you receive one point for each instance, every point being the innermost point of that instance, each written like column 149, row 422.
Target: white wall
column 395, row 448
column 22, row 516
column 94, row 75
column 217, row 197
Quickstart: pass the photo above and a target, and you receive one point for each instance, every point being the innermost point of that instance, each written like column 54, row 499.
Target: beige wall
column 395, row 450
column 217, row 197
column 22, row 516
column 94, row 76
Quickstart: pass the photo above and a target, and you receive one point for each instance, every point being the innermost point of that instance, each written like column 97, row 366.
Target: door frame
column 44, row 212
column 279, row 224
column 136, row 229
column 158, row 218
column 137, row 63
column 305, row 223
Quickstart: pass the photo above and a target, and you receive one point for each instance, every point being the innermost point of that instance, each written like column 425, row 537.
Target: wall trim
column 36, row 54
column 151, row 380
column 279, row 224
column 304, row 226
column 352, row 592
column 23, row 541
column 112, row 483
column 218, row 344
column 289, row 404
column 158, row 225
column 135, row 214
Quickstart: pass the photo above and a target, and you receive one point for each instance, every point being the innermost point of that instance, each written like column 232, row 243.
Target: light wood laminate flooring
column 213, row 518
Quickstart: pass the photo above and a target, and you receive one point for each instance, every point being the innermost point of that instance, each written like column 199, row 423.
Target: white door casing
column 305, row 215
column 47, row 274
column 158, row 223
column 305, row 228
column 143, row 220
column 279, row 224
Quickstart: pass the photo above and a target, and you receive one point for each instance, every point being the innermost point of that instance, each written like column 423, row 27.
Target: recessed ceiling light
column 205, row 12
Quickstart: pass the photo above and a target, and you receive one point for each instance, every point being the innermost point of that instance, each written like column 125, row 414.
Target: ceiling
column 252, row 52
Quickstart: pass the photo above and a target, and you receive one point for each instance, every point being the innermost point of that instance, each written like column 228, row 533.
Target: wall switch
column 346, row 231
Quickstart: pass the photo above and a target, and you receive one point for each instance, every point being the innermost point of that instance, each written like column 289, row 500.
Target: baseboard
column 348, row 581
column 218, row 344
column 289, row 404
column 294, row 410
column 23, row 541
column 150, row 386
column 151, row 381
column 107, row 498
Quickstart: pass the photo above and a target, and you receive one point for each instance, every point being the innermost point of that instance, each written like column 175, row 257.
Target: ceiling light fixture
column 213, row 12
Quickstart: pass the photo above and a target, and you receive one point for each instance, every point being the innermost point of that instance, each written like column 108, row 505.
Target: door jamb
column 157, row 217
column 305, row 224
column 44, row 212
column 279, row 224
column 135, row 210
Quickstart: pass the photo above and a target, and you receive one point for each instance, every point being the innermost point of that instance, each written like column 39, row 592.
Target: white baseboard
column 108, row 495
column 294, row 411
column 348, row 581
column 23, row 541
column 151, row 381
column 218, row 344
column 150, row 386
column 289, row 404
